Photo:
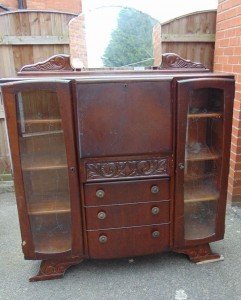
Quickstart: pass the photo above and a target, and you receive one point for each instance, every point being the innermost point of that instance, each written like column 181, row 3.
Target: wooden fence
column 191, row 36
column 27, row 37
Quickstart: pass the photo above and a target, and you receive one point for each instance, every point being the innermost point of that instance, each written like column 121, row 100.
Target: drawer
column 135, row 214
column 97, row 194
column 128, row 242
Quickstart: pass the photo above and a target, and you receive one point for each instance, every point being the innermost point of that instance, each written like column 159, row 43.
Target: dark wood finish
column 60, row 62
column 174, row 61
column 54, row 269
column 125, row 139
column 127, row 168
column 104, row 108
column 223, row 136
column 135, row 214
column 11, row 118
column 62, row 89
column 126, row 192
column 128, row 242
column 199, row 253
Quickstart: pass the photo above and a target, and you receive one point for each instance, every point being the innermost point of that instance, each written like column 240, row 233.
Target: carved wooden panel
column 174, row 61
column 60, row 62
column 127, row 169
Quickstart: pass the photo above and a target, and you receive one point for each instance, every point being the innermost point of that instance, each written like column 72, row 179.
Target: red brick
column 238, row 31
column 228, row 51
column 234, row 41
column 223, row 43
column 236, row 140
column 10, row 3
column 233, row 59
column 237, row 123
column 228, row 68
column 229, row 4
column 237, row 69
column 237, row 114
column 238, row 95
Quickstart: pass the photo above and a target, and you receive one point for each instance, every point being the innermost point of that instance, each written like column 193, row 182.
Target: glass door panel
column 202, row 162
column 45, row 170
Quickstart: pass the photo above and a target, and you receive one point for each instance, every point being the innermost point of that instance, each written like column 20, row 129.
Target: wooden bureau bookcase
column 120, row 163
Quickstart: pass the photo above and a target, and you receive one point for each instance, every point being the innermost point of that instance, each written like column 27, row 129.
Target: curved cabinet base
column 54, row 269
column 199, row 253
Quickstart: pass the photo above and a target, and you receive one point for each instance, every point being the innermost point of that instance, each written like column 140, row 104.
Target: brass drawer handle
column 155, row 234
column 103, row 239
column 100, row 193
column 101, row 215
column 155, row 189
column 155, row 210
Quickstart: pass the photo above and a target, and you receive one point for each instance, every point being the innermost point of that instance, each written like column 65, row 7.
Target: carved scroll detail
column 53, row 269
column 130, row 168
column 174, row 61
column 60, row 62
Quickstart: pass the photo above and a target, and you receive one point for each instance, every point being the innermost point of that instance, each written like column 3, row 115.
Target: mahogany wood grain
column 126, row 192
column 125, row 131
column 184, row 88
column 135, row 214
column 126, row 118
column 62, row 89
column 126, row 242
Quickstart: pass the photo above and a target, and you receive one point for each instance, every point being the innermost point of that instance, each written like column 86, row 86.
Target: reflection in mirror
column 112, row 37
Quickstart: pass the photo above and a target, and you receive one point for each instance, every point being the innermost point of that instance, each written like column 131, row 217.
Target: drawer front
column 135, row 214
column 127, row 192
column 126, row 242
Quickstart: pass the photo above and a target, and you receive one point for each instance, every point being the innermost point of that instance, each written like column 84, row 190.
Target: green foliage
column 131, row 41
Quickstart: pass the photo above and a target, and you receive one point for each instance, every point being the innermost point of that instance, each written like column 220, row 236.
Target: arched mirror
column 113, row 37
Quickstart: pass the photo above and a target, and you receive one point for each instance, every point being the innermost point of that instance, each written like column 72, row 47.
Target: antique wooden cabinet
column 118, row 164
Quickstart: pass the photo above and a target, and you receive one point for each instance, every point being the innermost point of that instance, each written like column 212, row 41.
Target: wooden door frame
column 63, row 90
column 183, row 87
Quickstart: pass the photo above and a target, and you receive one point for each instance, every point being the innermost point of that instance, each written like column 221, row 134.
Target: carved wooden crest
column 60, row 62
column 174, row 61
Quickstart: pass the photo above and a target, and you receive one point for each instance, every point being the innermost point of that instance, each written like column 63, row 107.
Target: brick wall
column 11, row 4
column 157, row 44
column 72, row 6
column 228, row 60
column 77, row 42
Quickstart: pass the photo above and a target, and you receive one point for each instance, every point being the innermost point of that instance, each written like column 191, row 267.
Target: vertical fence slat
column 199, row 23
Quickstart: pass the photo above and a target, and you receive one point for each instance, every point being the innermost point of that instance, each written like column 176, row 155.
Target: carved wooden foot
column 199, row 253
column 54, row 269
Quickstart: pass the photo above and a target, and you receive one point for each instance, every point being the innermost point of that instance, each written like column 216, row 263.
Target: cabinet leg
column 199, row 253
column 54, row 269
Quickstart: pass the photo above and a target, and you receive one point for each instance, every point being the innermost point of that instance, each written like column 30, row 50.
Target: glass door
column 203, row 140
column 45, row 135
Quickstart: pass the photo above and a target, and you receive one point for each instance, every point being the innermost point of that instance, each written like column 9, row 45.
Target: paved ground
column 161, row 277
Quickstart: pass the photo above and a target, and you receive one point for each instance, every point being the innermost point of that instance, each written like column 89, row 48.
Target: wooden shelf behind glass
column 57, row 243
column 38, row 162
column 199, row 191
column 50, row 205
column 205, row 115
column 42, row 121
column 205, row 153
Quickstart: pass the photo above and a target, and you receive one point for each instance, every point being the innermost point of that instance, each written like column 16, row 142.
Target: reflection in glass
column 45, row 173
column 124, row 39
column 202, row 162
